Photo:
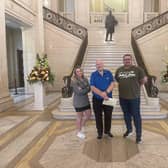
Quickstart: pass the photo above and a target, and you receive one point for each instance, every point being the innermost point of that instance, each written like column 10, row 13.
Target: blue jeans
column 131, row 108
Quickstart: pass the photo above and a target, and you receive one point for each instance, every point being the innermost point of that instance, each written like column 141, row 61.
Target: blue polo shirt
column 101, row 82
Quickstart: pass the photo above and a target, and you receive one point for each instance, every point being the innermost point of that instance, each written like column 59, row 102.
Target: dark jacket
column 110, row 23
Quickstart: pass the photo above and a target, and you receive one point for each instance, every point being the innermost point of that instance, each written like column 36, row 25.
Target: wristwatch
column 106, row 92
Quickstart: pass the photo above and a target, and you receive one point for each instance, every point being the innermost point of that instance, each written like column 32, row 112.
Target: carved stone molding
column 19, row 12
column 64, row 23
column 150, row 26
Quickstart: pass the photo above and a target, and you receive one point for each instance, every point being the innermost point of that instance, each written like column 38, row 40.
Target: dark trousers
column 98, row 108
column 107, row 34
column 131, row 108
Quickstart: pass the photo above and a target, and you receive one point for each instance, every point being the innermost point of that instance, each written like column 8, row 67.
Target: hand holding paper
column 110, row 102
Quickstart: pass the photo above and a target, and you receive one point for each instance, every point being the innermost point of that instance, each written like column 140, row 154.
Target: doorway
column 20, row 68
column 14, row 57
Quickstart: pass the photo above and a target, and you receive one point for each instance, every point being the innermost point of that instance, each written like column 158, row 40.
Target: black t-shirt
column 129, row 81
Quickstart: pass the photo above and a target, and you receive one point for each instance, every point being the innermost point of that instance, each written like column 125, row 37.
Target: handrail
column 150, row 25
column 140, row 31
column 76, row 30
column 64, row 23
column 150, row 86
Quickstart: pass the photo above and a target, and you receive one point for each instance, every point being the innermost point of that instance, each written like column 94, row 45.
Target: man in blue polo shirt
column 102, row 84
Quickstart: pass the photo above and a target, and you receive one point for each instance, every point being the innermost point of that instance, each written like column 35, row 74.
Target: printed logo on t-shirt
column 126, row 74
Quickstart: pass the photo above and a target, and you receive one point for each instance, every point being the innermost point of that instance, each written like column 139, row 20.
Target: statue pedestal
column 39, row 96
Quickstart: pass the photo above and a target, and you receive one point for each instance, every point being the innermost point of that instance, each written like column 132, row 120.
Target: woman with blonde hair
column 81, row 103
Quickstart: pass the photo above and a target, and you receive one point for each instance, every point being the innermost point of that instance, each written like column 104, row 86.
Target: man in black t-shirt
column 130, row 78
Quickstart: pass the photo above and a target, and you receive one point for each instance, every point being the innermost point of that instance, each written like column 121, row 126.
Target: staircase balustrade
column 139, row 32
column 64, row 23
column 150, row 25
column 74, row 29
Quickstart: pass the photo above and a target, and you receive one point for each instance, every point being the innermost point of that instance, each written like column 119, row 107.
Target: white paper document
column 110, row 102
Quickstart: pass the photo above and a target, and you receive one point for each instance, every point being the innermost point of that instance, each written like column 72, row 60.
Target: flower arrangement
column 41, row 71
column 164, row 73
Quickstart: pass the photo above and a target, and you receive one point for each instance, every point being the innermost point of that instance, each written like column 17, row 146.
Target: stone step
column 109, row 51
column 91, row 60
column 23, row 102
column 117, row 108
column 115, row 115
column 107, row 61
column 109, row 46
column 107, row 55
column 90, row 65
column 112, row 68
column 20, row 143
column 68, row 102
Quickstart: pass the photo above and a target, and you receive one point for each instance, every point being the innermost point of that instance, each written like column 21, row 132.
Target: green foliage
column 164, row 76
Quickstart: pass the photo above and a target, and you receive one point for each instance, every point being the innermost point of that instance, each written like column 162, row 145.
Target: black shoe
column 138, row 140
column 99, row 137
column 127, row 134
column 109, row 134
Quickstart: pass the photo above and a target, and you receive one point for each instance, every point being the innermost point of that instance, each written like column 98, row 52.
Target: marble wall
column 62, row 49
column 5, row 99
column 82, row 9
column 153, row 48
column 20, row 12
column 163, row 5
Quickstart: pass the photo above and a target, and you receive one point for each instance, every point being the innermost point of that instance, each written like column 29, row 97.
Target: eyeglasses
column 127, row 59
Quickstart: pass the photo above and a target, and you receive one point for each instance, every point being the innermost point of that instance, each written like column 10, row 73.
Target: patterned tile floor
column 30, row 140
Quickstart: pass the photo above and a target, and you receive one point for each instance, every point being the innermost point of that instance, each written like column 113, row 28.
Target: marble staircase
column 111, row 53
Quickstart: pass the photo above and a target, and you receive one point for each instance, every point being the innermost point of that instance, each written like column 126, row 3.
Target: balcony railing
column 98, row 18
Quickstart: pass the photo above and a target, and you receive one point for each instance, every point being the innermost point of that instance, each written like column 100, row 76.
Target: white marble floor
column 37, row 140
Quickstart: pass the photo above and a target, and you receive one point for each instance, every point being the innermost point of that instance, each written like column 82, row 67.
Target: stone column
column 82, row 12
column 33, row 43
column 135, row 12
column 163, row 6
column 93, row 5
column 39, row 28
column 39, row 96
column 5, row 99
column 29, row 53
column 54, row 5
column 47, row 3
column 39, row 105
column 101, row 5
